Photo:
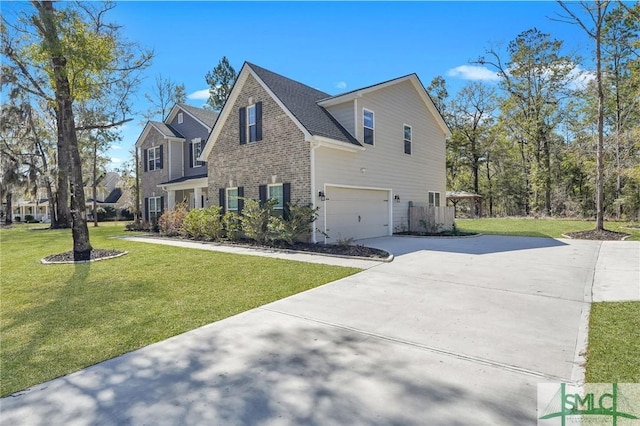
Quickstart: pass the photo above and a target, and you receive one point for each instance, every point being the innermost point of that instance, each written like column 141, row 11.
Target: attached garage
column 356, row 213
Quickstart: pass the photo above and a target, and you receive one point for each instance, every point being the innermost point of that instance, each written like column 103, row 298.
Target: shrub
column 299, row 222
column 204, row 224
column 28, row 218
column 170, row 223
column 232, row 226
column 138, row 226
column 255, row 219
column 17, row 218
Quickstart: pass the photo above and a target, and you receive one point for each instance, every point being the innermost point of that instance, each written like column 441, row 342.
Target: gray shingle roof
column 301, row 100
column 114, row 196
column 184, row 179
column 204, row 115
column 166, row 130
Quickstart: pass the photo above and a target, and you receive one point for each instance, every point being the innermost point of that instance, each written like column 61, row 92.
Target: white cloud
column 199, row 94
column 580, row 78
column 116, row 160
column 341, row 85
column 473, row 72
column 116, row 147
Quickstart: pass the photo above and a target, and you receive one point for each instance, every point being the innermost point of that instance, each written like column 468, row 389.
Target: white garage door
column 356, row 213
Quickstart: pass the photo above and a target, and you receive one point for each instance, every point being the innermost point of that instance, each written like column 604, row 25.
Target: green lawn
column 613, row 354
column 56, row 319
column 551, row 228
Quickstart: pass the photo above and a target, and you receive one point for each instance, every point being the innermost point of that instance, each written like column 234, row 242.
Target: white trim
column 373, row 127
column 312, row 160
column 147, row 129
column 335, row 144
column 434, row 198
column 174, row 112
column 149, row 169
column 188, row 184
column 180, row 117
column 228, row 107
column 410, row 139
column 192, row 145
column 370, row 188
column 255, row 123
column 356, row 124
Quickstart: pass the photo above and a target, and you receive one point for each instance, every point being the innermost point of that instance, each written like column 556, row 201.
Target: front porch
column 189, row 190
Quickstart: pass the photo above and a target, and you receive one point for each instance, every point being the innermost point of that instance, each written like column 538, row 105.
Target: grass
column 551, row 228
column 56, row 319
column 613, row 354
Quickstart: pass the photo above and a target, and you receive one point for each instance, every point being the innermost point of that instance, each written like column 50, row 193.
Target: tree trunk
column 62, row 216
column 8, row 217
column 600, row 146
column 95, row 184
column 67, row 137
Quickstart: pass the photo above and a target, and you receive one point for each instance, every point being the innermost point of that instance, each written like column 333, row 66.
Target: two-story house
column 359, row 157
column 171, row 169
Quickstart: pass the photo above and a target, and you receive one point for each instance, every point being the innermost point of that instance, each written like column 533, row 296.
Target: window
column 155, row 208
column 277, row 193
column 251, row 123
column 180, row 118
column 232, row 199
column 368, row 123
column 434, row 199
column 154, row 158
column 407, row 139
column 196, row 150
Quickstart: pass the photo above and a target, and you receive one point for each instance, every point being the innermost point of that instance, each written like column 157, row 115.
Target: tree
column 220, row 81
column 164, row 94
column 71, row 57
column 535, row 77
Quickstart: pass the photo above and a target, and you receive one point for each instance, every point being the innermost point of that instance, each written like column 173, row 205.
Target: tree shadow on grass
column 266, row 370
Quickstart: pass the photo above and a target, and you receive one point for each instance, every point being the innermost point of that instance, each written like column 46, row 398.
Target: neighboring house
column 359, row 157
column 169, row 151
column 109, row 193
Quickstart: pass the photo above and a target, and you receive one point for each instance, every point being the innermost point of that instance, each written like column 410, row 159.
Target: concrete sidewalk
column 453, row 331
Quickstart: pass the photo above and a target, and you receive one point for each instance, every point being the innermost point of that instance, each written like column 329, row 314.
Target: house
column 171, row 169
column 360, row 157
column 109, row 193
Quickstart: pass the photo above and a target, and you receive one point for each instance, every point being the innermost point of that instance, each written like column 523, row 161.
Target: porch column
column 197, row 195
column 171, row 199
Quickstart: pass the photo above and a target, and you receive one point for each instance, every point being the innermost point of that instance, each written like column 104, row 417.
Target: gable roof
column 205, row 117
column 302, row 101
column 114, row 196
column 165, row 130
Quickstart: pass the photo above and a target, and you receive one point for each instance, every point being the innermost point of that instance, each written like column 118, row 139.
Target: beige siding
column 344, row 113
column 386, row 165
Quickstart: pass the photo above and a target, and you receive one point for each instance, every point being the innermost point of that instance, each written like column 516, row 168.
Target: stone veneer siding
column 282, row 152
column 149, row 180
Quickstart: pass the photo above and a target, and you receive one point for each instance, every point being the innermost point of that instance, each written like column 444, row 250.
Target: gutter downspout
column 312, row 158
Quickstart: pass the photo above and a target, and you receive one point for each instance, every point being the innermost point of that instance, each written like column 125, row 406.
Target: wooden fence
column 430, row 219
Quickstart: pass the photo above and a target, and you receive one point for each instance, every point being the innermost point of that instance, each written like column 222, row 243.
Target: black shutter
column 242, row 119
column 262, row 192
column 146, row 159
column 161, row 157
column 286, row 200
column 258, row 121
column 161, row 205
column 240, row 198
column 146, row 209
column 191, row 145
column 221, row 199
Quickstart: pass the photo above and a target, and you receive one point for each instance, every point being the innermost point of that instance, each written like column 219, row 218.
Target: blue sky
column 332, row 46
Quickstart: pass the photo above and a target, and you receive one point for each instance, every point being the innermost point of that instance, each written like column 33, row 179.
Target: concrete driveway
column 455, row 331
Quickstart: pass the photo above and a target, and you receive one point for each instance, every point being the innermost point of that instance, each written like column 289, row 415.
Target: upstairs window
column 153, row 159
column 250, row 121
column 180, row 118
column 407, row 139
column 368, row 124
column 196, row 150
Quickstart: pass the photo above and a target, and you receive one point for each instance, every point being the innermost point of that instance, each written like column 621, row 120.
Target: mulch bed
column 598, row 235
column 335, row 249
column 96, row 254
